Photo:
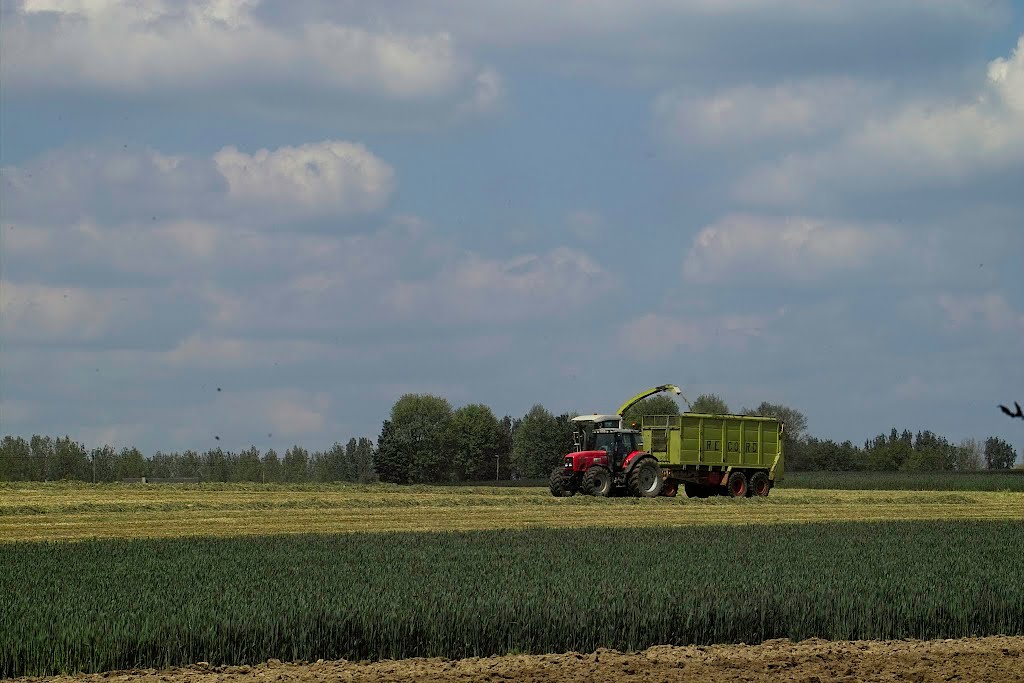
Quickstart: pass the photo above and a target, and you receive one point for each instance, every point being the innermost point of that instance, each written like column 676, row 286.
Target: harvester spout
column 644, row 394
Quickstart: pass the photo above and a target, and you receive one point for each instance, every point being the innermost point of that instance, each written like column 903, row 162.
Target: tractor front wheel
column 645, row 479
column 560, row 483
column 737, row 485
column 597, row 481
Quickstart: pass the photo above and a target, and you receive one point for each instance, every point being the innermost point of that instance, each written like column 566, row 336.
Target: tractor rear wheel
column 760, row 484
column 560, row 483
column 737, row 485
column 597, row 481
column 644, row 479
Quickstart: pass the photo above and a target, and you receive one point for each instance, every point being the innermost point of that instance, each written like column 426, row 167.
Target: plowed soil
column 994, row 659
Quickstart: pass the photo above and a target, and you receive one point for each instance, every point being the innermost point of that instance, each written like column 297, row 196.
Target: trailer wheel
column 760, row 484
column 645, row 480
column 597, row 481
column 671, row 488
column 693, row 490
column 560, row 483
column 737, row 485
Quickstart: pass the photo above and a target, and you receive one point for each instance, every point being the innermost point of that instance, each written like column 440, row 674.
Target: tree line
column 425, row 440
column 43, row 458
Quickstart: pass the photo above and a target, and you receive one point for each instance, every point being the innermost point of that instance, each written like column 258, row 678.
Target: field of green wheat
column 107, row 604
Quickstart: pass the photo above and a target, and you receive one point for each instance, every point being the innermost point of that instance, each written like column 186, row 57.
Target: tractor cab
column 627, row 440
column 584, row 426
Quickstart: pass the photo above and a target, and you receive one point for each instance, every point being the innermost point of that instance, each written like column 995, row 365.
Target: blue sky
column 318, row 206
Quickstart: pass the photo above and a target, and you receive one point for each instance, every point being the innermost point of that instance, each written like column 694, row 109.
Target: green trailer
column 737, row 455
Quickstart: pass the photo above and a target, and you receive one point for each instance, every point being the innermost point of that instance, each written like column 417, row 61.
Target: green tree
column 363, row 461
column 349, row 469
column 795, row 424
column 216, row 465
column 130, row 463
column 103, row 460
column 249, row 467
column 711, row 404
column 474, row 440
column 826, row 454
column 659, row 404
column 969, row 455
column 15, row 459
column 506, row 426
column 888, row 453
column 539, row 442
column 999, row 454
column 930, row 453
column 190, row 464
column 160, row 465
column 389, row 463
column 419, row 426
column 70, row 460
column 333, row 464
column 41, row 448
column 294, row 466
column 271, row 466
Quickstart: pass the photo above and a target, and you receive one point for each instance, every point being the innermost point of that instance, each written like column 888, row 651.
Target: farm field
column 981, row 480
column 987, row 480
column 37, row 512
column 975, row 659
column 115, row 604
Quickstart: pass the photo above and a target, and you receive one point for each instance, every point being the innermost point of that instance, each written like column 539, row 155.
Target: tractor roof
column 595, row 418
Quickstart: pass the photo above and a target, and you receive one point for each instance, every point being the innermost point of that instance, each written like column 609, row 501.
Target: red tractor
column 610, row 460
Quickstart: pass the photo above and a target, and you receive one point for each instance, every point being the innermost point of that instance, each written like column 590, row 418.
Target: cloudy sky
column 265, row 221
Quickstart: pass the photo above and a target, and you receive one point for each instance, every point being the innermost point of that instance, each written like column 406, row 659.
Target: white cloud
column 13, row 411
column 321, row 178
column 298, row 416
column 42, row 313
column 927, row 142
column 656, row 336
column 237, row 418
column 586, row 225
column 745, row 247
column 488, row 91
column 504, row 23
column 982, row 313
column 117, row 436
column 474, row 288
column 755, row 113
column 915, row 388
column 152, row 46
column 325, row 178
column 205, row 350
column 70, row 183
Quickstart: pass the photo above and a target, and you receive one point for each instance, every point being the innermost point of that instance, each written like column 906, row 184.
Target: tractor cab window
column 604, row 441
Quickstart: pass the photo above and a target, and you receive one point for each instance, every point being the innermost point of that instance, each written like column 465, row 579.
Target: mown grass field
column 101, row 605
column 37, row 512
column 998, row 480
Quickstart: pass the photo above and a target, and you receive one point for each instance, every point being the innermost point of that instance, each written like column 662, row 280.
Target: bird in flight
column 1019, row 413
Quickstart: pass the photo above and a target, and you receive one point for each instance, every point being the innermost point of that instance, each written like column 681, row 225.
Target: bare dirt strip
column 993, row 659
